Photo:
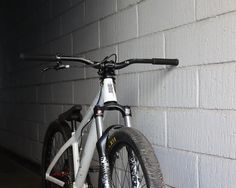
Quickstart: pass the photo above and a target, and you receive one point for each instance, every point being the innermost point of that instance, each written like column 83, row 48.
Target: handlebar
column 55, row 58
column 39, row 58
column 98, row 65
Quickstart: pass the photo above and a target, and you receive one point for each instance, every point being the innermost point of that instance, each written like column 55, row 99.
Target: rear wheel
column 132, row 161
column 57, row 134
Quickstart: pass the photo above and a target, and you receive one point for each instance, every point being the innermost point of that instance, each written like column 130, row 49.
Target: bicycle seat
column 74, row 113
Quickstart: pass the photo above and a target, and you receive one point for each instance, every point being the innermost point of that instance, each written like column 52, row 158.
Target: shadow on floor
column 13, row 174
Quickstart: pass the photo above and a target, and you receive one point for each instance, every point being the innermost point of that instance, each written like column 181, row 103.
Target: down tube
column 89, row 146
column 70, row 142
column 87, row 156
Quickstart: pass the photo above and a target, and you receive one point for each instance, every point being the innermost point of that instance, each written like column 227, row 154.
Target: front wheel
column 132, row 161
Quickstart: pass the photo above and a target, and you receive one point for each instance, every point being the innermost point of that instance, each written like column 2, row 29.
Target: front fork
column 134, row 169
column 104, row 170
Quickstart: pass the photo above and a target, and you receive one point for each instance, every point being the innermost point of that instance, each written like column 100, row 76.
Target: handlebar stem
column 107, row 70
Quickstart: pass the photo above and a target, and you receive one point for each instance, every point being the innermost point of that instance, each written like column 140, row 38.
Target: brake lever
column 56, row 67
column 51, row 67
column 46, row 69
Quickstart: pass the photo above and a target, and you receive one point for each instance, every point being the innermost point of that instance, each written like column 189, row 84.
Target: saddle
column 73, row 114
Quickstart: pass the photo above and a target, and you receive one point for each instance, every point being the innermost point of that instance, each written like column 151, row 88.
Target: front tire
column 132, row 161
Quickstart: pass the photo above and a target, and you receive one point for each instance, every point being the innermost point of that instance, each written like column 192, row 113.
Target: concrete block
column 42, row 50
column 73, row 18
column 121, row 4
column 126, row 23
column 60, row 6
column 204, row 131
column 151, row 46
column 157, row 15
column 85, row 91
column 179, row 168
column 51, row 30
column 31, row 130
column 208, row 41
column 45, row 94
column 42, row 131
column 128, row 89
column 25, row 94
column 36, row 151
column 107, row 7
column 52, row 112
column 217, row 86
column 4, row 135
column 101, row 53
column 92, row 10
column 96, row 9
column 16, row 126
column 8, row 107
column 18, row 149
column 30, row 40
column 45, row 12
column 35, row 75
column 119, row 27
column 62, row 46
column 7, row 95
column 36, row 112
column 86, row 39
column 76, row 1
column 108, row 31
column 29, row 112
column 211, row 8
column 217, row 172
column 169, row 88
column 62, row 93
column 111, row 118
column 151, row 122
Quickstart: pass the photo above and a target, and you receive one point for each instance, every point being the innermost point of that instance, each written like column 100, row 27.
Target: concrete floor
column 13, row 174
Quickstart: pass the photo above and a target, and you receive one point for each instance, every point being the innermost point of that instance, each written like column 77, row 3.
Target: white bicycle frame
column 81, row 166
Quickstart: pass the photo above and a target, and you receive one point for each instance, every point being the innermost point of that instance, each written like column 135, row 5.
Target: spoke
column 143, row 186
column 141, row 181
column 57, row 143
column 126, row 172
column 117, row 176
column 125, row 168
column 121, row 171
column 125, row 176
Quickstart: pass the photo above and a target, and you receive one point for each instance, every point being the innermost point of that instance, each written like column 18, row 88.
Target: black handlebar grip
column 155, row 61
column 38, row 58
column 159, row 61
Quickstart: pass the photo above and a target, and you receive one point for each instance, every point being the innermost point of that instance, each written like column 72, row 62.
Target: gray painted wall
column 188, row 113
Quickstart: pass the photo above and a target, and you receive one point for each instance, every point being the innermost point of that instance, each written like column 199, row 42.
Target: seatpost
column 73, row 125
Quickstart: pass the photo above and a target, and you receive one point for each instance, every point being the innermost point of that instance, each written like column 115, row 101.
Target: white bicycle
column 126, row 158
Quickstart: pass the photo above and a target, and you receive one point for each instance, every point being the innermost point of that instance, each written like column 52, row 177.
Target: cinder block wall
column 188, row 113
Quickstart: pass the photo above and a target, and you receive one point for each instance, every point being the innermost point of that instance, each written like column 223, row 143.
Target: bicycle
column 126, row 158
